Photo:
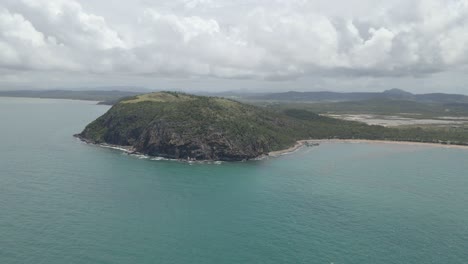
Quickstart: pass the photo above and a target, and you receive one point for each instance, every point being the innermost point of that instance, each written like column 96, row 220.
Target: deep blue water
column 62, row 201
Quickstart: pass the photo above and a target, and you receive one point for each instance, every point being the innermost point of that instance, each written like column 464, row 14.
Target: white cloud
column 274, row 40
column 67, row 22
column 23, row 47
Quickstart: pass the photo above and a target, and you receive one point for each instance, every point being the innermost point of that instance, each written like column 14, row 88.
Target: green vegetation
column 178, row 125
column 158, row 97
column 377, row 107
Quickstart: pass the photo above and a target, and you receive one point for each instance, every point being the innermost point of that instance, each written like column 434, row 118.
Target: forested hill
column 182, row 126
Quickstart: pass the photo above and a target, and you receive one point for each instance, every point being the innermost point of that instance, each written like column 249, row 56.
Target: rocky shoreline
column 126, row 149
column 130, row 150
column 299, row 144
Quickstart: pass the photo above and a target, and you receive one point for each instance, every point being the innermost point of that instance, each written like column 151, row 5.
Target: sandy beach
column 299, row 144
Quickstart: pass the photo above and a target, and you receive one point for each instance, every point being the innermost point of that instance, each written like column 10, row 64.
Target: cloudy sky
column 251, row 45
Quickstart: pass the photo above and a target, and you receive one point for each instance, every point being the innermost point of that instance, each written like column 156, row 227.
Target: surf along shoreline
column 299, row 144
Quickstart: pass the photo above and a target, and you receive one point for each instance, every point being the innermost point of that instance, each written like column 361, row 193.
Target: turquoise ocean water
column 62, row 201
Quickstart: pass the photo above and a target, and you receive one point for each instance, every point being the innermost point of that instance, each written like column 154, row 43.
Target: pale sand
column 302, row 143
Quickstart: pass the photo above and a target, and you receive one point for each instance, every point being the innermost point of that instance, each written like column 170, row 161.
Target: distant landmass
column 110, row 96
column 103, row 96
column 182, row 126
column 394, row 94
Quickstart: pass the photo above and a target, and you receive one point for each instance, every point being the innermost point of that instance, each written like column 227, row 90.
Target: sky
column 245, row 45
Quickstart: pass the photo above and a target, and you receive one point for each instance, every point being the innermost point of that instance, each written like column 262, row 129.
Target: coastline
column 301, row 143
column 92, row 102
column 126, row 149
column 129, row 150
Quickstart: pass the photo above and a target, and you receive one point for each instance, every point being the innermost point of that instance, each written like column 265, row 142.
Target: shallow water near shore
column 63, row 201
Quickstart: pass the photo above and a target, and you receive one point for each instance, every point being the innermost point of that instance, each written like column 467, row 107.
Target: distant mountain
column 393, row 94
column 313, row 96
column 397, row 92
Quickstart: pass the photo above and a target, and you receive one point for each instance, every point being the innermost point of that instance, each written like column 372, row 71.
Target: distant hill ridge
column 110, row 97
column 396, row 94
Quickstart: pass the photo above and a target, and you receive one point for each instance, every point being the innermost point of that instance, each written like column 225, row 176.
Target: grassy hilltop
column 182, row 126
